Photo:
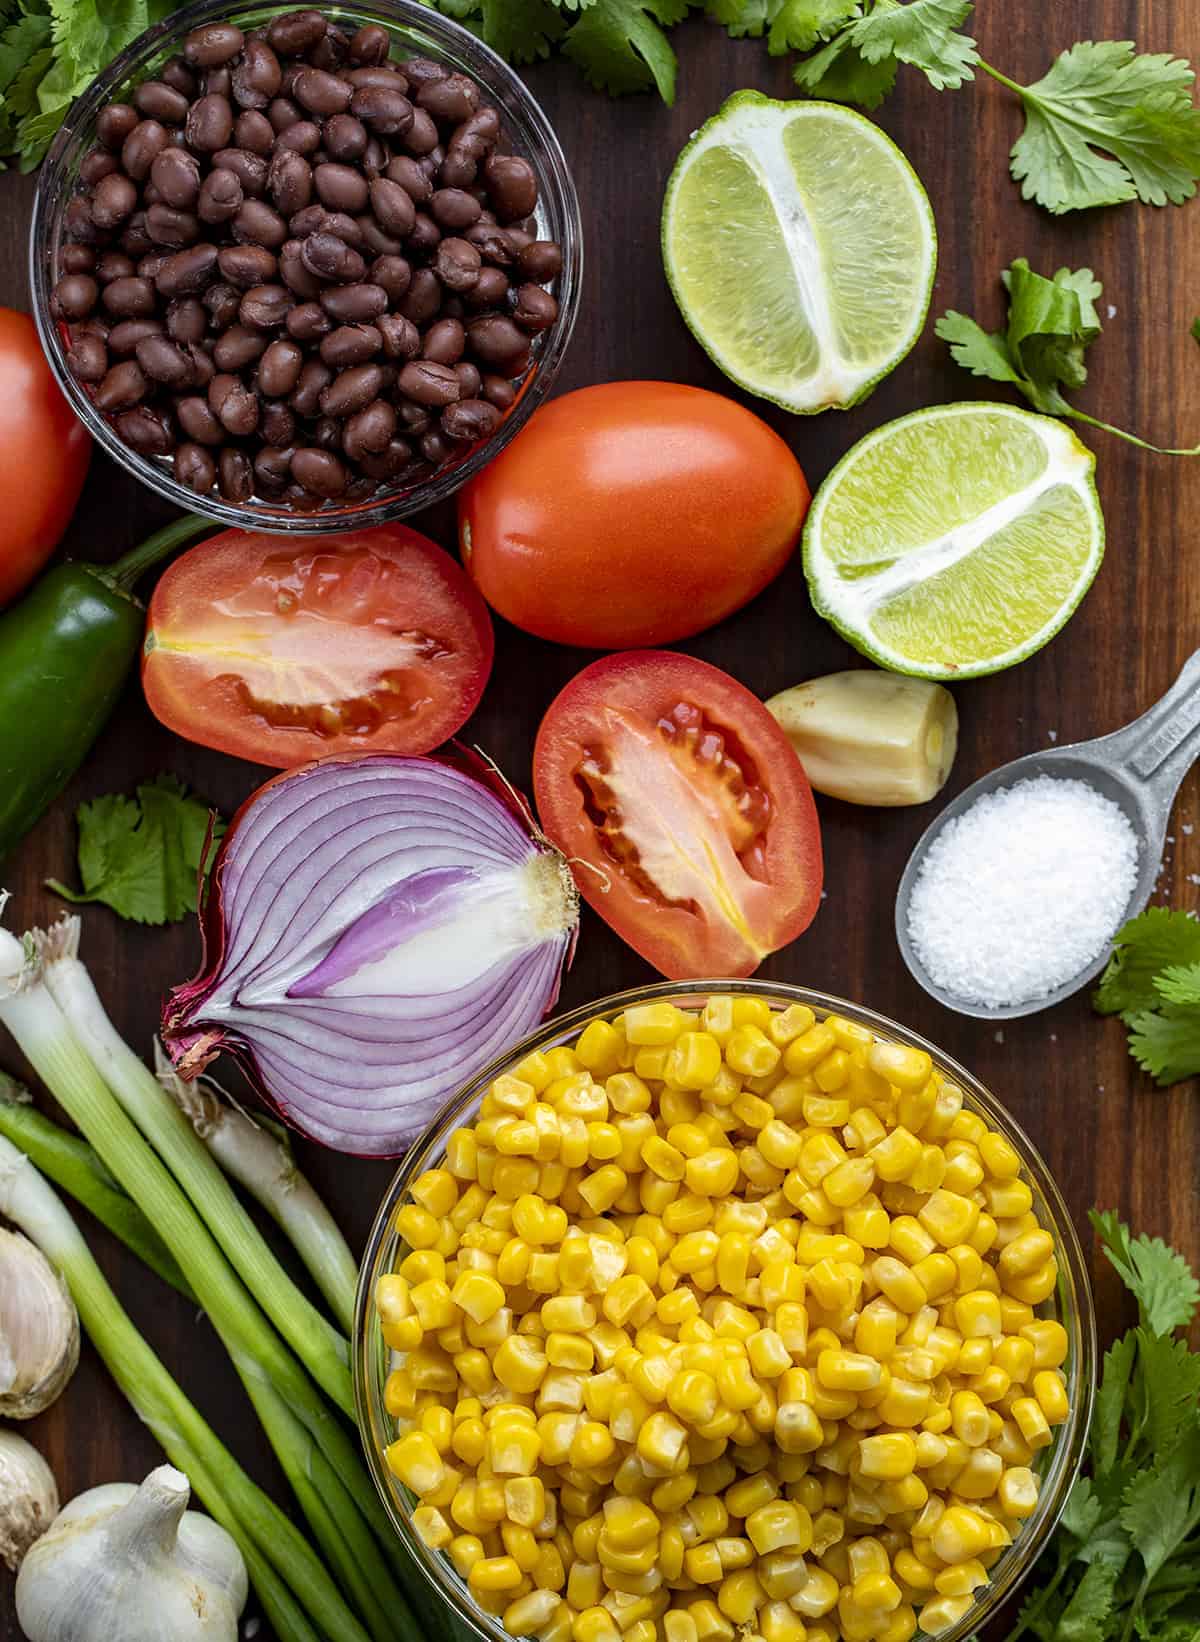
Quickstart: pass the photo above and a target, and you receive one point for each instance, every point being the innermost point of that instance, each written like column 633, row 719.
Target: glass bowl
column 1058, row 1464
column 415, row 30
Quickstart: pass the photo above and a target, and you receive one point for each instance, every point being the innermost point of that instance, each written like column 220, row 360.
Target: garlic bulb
column 28, row 1498
column 126, row 1564
column 39, row 1329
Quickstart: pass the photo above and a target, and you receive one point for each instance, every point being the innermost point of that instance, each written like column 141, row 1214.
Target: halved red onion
column 377, row 929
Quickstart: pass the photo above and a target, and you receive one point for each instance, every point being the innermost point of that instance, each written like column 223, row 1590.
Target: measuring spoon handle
column 1158, row 749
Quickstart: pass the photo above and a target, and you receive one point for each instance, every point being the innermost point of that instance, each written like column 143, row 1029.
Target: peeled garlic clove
column 871, row 737
column 39, row 1330
column 28, row 1498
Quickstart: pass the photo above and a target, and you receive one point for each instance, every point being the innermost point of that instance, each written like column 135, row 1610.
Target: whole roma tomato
column 686, row 809
column 632, row 513
column 280, row 651
column 44, row 452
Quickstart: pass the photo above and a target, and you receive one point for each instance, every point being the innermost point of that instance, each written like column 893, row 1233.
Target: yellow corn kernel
column 513, row 1450
column 750, row 1494
column 520, row 1363
column 980, row 1476
column 693, row 1396
column 628, row 1300
column 478, row 1295
column 713, row 1174
column 969, row 1418
column 695, row 1060
column 663, row 1159
column 711, row 1624
column 948, row 1217
column 524, row 1501
column 662, row 1442
column 1051, row 1395
column 817, row 1596
column 653, row 1023
column 594, row 1625
column 1049, row 1341
column 741, row 1595
column 769, row 1356
column 417, row 1463
column 702, row 1564
column 1031, row 1422
column 896, row 1282
column 943, row 1612
column 1007, row 1199
column 999, row 1158
column 432, row 1527
column 601, row 1189
column 461, row 1154
column 464, row 1551
column 629, row 1523
column 1017, row 1491
column 530, row 1614
column 777, row 1622
column 798, row 1429
column 905, row 1068
column 778, row 1526
column 889, row 1456
column 599, row 1048
column 905, row 1403
column 959, row 1534
column 679, row 1626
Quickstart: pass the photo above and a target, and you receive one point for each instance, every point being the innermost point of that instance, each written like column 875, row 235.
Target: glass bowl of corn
column 724, row 1308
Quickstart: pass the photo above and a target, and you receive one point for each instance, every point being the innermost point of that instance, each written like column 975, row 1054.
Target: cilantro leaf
column 983, row 353
column 141, row 857
column 839, row 73
column 1083, row 1618
column 741, row 18
column 1158, row 1276
column 620, row 45
column 798, row 25
column 1106, row 1418
column 1179, row 983
column 1164, row 1045
column 1155, row 940
column 1106, row 125
column 1170, row 1375
column 1162, row 1506
column 521, row 31
column 922, row 33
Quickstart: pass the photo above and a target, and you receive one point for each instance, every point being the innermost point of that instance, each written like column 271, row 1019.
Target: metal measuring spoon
column 1140, row 768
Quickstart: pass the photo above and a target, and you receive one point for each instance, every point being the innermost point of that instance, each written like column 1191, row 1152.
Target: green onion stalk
column 297, row 1594
column 255, row 1152
column 43, row 1033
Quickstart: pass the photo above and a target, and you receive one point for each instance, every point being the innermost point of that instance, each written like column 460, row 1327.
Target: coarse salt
column 1023, row 891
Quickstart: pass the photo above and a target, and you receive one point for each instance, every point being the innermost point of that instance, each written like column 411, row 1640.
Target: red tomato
column 675, row 784
column 632, row 513
column 44, row 452
column 281, row 651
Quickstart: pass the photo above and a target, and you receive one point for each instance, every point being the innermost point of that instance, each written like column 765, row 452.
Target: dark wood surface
column 1108, row 1136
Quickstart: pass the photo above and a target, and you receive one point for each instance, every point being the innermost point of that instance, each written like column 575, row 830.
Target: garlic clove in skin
column 39, row 1330
column 28, row 1498
column 126, row 1564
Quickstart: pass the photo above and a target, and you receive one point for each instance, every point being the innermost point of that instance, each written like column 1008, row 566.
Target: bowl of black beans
column 305, row 269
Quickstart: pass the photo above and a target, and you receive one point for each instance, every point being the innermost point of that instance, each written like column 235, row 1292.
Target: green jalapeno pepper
column 65, row 652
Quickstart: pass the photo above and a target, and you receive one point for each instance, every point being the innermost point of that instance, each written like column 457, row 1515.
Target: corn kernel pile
column 723, row 1322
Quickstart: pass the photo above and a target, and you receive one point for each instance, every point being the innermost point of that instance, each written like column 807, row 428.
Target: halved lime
column 957, row 540
column 801, row 249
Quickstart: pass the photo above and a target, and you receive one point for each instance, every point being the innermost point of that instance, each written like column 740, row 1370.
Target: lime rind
column 1027, row 557
column 766, row 261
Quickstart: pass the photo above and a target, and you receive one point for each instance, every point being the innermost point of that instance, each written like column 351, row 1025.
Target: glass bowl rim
column 1076, row 1312
column 538, row 142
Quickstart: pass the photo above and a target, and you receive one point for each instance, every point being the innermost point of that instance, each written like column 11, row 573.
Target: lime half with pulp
column 801, row 249
column 955, row 541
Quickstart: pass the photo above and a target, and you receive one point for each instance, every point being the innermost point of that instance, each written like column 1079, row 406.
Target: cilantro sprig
column 1125, row 1560
column 1153, row 983
column 142, row 856
column 1051, row 324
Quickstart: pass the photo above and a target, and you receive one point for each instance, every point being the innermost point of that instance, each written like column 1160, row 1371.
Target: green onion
column 72, row 1164
column 264, row 1534
column 322, row 1349
column 257, row 1155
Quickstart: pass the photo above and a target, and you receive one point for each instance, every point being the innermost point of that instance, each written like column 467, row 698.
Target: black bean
column 499, row 391
column 197, row 420
column 279, row 368
column 415, row 419
column 113, row 201
column 221, row 196
column 256, row 75
column 434, row 447
column 470, row 382
column 370, row 429
column 329, row 257
column 327, row 433
column 265, row 306
column 470, row 420
column 457, row 264
column 250, row 169
column 257, row 223
column 452, row 98
column 375, row 241
column 148, row 267
column 167, row 226
column 351, row 390
column 162, row 361
column 405, row 170
column 393, row 274
column 217, row 82
column 315, row 377
column 444, row 342
column 187, row 272
column 283, row 113
column 273, row 469
column 423, row 298
column 124, row 338
column 422, row 135
column 252, row 130
column 176, row 175
column 147, row 139
column 392, row 206
column 209, row 124
column 490, row 290
column 308, row 322
column 294, row 274
column 521, row 235
column 349, row 304
column 156, row 101
column 340, row 187
column 370, row 44
column 296, row 32
column 494, row 244
column 246, row 265
column 345, row 138
column 114, row 123
column 234, row 405
column 235, row 476
column 148, row 431
column 384, row 108
column 222, row 302
column 401, row 339
column 203, row 369
column 350, row 345
column 511, row 184
column 195, row 468
column 176, row 73
column 534, row 310
column 130, row 298
column 123, row 386
column 332, row 51
column 454, row 208
column 321, row 92
column 78, row 224
column 212, row 44
column 429, row 383
column 319, row 471
column 494, row 339
column 87, row 358
column 238, row 347
column 301, row 137
column 74, row 296
column 77, row 259
column 540, row 262
column 290, row 181
column 186, row 319
column 346, row 228
column 424, row 235
column 277, row 422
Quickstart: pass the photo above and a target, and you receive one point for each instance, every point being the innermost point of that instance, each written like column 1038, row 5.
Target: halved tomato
column 678, row 789
column 281, row 651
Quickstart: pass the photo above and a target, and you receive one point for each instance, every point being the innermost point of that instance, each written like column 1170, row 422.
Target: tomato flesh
column 675, row 787
column 282, row 652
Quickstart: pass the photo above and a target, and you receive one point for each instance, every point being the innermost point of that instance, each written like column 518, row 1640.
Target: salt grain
column 1023, row 891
